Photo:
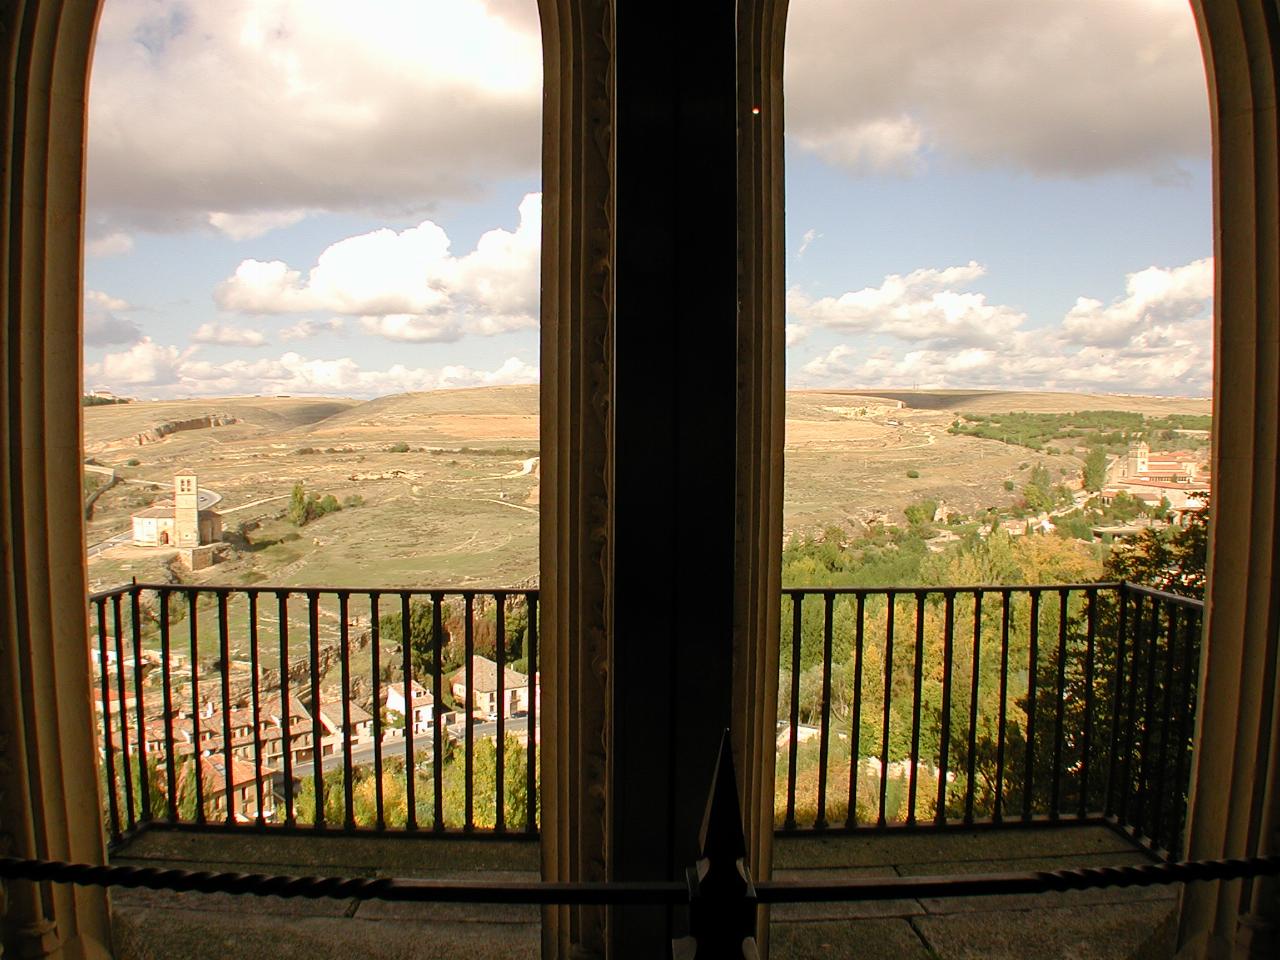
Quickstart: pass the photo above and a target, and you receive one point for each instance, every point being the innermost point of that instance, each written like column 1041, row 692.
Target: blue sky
column 292, row 196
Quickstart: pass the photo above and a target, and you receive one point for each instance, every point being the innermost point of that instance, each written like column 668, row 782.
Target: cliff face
column 160, row 431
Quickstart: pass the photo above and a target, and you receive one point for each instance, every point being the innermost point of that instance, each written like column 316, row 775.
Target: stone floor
column 1133, row 924
column 1116, row 924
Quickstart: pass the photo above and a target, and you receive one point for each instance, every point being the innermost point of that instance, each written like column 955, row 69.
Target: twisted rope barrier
column 649, row 894
column 1003, row 884
column 343, row 888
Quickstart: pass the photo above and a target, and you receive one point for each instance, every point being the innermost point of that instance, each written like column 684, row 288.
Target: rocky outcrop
column 162, row 430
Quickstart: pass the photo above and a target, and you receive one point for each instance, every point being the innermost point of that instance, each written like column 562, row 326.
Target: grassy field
column 449, row 481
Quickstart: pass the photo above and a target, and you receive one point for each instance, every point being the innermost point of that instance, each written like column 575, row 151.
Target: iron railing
column 941, row 706
column 288, row 708
column 900, row 707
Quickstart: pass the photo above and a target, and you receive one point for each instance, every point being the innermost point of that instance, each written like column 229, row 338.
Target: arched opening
column 50, row 808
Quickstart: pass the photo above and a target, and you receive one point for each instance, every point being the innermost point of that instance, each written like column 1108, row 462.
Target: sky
column 320, row 197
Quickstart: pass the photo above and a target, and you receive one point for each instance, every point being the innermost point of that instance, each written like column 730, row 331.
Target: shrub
column 1008, row 485
column 400, row 447
column 132, row 462
column 913, row 474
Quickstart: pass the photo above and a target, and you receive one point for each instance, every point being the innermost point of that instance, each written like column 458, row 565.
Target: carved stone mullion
column 577, row 394
column 1234, row 807
column 49, row 804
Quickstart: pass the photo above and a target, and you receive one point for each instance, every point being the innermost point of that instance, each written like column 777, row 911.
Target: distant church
column 178, row 522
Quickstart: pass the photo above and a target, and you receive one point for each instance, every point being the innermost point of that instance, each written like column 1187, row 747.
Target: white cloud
column 96, row 299
column 1153, row 296
column 921, row 305
column 407, row 285
column 225, row 335
column 880, row 145
column 806, row 241
column 151, row 370
column 1068, row 88
column 146, row 363
column 246, row 226
column 1155, row 339
column 306, row 329
column 796, row 333
column 109, row 245
column 263, row 108
column 102, row 326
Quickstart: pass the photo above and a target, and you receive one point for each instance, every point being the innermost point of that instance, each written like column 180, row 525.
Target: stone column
column 761, row 421
column 1235, row 796
column 49, row 804
column 576, row 440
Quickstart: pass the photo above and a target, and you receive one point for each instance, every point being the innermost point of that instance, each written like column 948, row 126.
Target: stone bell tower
column 186, row 510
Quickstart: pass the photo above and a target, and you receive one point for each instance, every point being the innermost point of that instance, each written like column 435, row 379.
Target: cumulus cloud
column 306, row 329
column 264, row 108
column 225, row 335
column 152, row 370
column 924, row 304
column 246, row 226
column 407, row 285
column 146, row 363
column 109, row 245
column 102, row 324
column 1157, row 338
column 1154, row 299
column 1067, row 88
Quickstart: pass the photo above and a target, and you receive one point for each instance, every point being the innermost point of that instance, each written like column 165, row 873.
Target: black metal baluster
column 194, row 628
column 789, row 823
column 855, row 735
column 1091, row 629
column 437, row 741
column 1131, row 714
column 1055, row 793
column 1166, row 721
column 171, row 761
column 1186, row 704
column 255, row 703
column 1111, row 806
column 375, row 666
column 1148, row 720
column 1033, row 660
column 108, row 739
column 469, row 657
column 286, row 707
column 144, row 777
column 974, row 675
column 824, row 731
column 224, row 652
column 500, row 741
column 888, row 697
column 344, row 643
column 944, row 745
column 117, row 622
column 317, row 728
column 917, row 683
column 997, row 813
column 531, row 753
column 410, row 767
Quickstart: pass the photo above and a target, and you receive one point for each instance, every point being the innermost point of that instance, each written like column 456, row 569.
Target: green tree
column 1094, row 474
column 298, row 513
column 422, row 637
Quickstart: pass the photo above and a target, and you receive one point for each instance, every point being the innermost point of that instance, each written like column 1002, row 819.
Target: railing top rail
column 261, row 589
column 955, row 589
column 122, row 590
column 1164, row 595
